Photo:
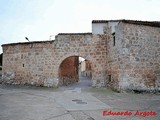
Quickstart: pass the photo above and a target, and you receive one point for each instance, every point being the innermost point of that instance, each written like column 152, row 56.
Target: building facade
column 124, row 55
column 85, row 69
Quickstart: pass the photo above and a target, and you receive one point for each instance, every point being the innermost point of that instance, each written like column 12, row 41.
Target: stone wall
column 115, row 58
column 38, row 63
column 68, row 71
column 133, row 63
column 125, row 57
column 29, row 63
column 142, row 48
column 90, row 47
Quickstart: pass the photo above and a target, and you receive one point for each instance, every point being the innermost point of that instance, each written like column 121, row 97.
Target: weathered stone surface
column 134, row 61
column 38, row 63
column 124, row 56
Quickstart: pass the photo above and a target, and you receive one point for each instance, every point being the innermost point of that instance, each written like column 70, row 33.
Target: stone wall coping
column 45, row 41
column 75, row 33
column 31, row 42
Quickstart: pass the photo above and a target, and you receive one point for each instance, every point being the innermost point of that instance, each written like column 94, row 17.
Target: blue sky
column 38, row 19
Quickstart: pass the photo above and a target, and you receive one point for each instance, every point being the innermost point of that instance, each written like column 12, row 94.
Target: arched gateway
column 38, row 63
column 124, row 56
column 73, row 68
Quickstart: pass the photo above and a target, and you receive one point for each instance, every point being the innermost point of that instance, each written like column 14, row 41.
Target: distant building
column 85, row 69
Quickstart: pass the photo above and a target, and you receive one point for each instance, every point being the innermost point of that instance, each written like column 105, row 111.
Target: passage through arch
column 75, row 69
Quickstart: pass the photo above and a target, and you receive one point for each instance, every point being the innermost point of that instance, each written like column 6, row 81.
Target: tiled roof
column 137, row 22
column 74, row 33
column 100, row 21
column 147, row 23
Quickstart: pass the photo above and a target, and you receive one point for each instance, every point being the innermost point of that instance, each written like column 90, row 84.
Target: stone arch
column 88, row 58
column 43, row 60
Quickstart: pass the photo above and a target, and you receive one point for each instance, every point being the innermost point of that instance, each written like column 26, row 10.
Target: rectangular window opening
column 23, row 65
column 109, row 78
column 114, row 39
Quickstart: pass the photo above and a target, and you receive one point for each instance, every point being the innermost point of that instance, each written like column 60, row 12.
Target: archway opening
column 85, row 68
column 75, row 70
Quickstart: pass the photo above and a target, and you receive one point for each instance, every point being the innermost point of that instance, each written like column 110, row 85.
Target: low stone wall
column 38, row 63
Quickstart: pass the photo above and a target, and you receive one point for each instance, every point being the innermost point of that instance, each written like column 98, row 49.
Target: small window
column 114, row 39
column 23, row 65
column 109, row 78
